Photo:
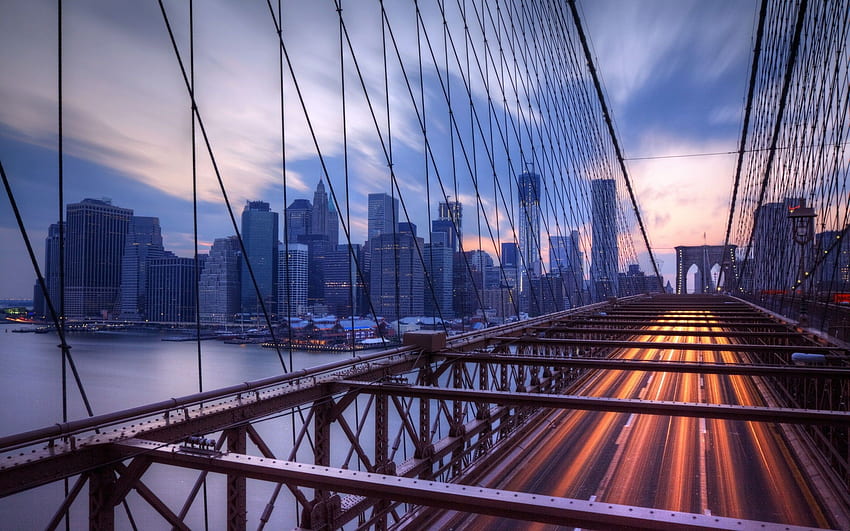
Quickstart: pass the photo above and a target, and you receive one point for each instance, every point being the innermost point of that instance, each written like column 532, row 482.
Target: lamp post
column 802, row 221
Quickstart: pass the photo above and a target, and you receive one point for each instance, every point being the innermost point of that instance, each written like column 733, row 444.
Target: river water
column 122, row 370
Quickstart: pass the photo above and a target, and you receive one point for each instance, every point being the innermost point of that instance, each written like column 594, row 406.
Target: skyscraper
column 604, row 252
column 319, row 215
column 171, row 289
column 219, row 285
column 96, row 237
column 528, row 193
column 144, row 243
column 259, row 235
column 51, row 274
column 833, row 275
column 510, row 260
column 565, row 262
column 324, row 220
column 773, row 264
column 343, row 284
column 292, row 281
column 558, row 259
column 383, row 214
column 439, row 269
column 397, row 276
column 299, row 220
column 450, row 222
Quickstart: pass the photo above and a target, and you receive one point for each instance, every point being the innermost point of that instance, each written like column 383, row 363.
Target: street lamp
column 802, row 220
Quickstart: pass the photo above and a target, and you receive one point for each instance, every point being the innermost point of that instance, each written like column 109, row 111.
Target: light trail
column 725, row 468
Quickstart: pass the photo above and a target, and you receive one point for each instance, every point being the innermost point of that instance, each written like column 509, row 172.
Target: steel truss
column 377, row 435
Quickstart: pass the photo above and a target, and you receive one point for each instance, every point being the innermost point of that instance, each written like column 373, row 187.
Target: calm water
column 122, row 370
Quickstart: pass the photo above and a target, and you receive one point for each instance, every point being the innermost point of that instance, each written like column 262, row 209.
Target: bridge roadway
column 550, row 406
column 723, row 467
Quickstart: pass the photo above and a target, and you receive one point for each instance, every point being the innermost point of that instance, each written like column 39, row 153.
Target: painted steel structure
column 400, row 436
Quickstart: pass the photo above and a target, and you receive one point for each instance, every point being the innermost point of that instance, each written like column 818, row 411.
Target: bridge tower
column 705, row 257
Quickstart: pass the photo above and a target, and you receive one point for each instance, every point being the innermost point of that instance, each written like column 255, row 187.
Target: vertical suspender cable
column 780, row 113
column 614, row 141
column 61, row 175
column 195, row 196
column 745, row 129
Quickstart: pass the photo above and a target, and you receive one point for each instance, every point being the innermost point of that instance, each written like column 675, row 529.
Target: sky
column 674, row 73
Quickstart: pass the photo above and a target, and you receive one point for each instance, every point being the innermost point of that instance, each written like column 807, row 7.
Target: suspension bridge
column 572, row 392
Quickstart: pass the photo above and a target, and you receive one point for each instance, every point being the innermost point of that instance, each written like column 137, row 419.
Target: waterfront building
column 259, row 236
column 439, row 271
column 51, row 275
column 95, row 240
column 292, row 281
column 171, row 289
column 343, row 284
column 549, row 295
column 774, row 259
column 144, row 243
column 397, row 275
column 833, row 274
column 473, row 273
column 565, row 262
column 219, row 284
column 604, row 257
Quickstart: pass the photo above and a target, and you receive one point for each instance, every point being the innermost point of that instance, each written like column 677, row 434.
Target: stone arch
column 705, row 258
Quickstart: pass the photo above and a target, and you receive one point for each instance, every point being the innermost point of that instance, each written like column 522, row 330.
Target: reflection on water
column 119, row 371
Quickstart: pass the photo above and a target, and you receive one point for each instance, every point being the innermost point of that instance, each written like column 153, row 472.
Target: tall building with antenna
column 528, row 191
column 604, row 255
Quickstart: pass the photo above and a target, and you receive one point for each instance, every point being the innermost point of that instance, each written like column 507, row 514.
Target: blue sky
column 674, row 72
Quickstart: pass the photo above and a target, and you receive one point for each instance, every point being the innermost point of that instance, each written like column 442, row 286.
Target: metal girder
column 101, row 510
column 681, row 333
column 667, row 345
column 613, row 321
column 653, row 365
column 278, row 393
column 508, row 504
column 621, row 405
column 237, row 512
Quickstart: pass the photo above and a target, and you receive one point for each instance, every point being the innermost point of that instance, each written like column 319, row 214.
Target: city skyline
column 299, row 270
column 99, row 163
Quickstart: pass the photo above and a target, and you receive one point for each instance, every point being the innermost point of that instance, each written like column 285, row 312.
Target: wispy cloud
column 638, row 43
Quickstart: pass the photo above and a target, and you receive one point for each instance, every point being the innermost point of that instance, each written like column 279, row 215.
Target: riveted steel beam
column 653, row 365
column 670, row 345
column 509, row 504
column 621, row 405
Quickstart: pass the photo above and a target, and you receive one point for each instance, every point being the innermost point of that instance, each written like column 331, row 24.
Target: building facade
column 292, row 281
column 604, row 257
column 382, row 215
column 144, row 243
column 397, row 276
column 95, row 242
column 528, row 193
column 171, row 289
column 219, row 284
column 259, row 236
column 438, row 286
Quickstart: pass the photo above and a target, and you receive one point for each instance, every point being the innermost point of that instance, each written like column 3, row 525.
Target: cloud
column 638, row 43
column 686, row 197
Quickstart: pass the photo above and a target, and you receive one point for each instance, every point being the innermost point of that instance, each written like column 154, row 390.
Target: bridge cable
column 217, row 172
column 611, row 131
column 63, row 344
column 786, row 84
column 325, row 172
